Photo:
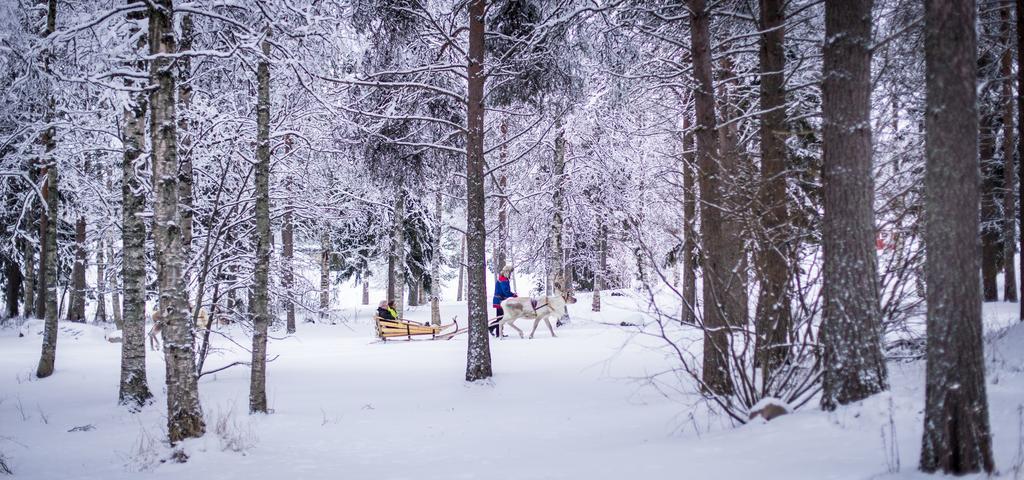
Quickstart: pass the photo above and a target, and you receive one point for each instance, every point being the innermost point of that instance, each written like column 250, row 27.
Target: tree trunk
column 718, row 264
column 435, row 262
column 101, row 283
column 956, row 432
column 325, row 275
column 555, row 274
column 501, row 252
column 288, row 262
column 28, row 288
column 398, row 252
column 13, row 280
column 185, row 135
column 366, row 292
column 414, row 293
column 261, row 317
column 76, row 312
column 48, row 255
column 1009, row 234
column 184, row 413
column 602, row 268
column 773, row 321
column 991, row 228
column 115, row 292
column 853, row 365
column 134, row 389
column 732, row 200
column 462, row 268
column 478, row 354
column 1020, row 134
column 690, row 257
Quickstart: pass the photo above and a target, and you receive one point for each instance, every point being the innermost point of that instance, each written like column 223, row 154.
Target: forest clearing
column 572, row 239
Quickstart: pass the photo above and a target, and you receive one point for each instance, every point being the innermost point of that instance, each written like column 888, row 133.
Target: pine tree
column 852, row 363
column 956, row 432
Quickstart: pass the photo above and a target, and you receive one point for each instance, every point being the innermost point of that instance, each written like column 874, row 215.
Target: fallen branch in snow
column 233, row 364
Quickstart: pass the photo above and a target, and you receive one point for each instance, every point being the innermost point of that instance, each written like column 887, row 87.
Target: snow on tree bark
column 260, row 314
column 991, row 229
column 478, row 355
column 956, row 430
column 184, row 413
column 49, row 220
column 134, row 389
column 853, row 365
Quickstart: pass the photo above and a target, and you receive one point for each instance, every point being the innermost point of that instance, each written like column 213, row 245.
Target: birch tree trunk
column 717, row 262
column 366, row 292
column 101, row 283
column 956, row 431
column 48, row 255
column 134, row 389
column 435, row 262
column 478, row 354
column 1009, row 201
column 853, row 365
column 184, row 413
column 76, row 312
column 261, row 317
column 773, row 322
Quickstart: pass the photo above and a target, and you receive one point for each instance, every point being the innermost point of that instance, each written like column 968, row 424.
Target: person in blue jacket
column 502, row 290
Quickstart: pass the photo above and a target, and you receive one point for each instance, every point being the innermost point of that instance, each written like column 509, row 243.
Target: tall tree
column 435, row 261
column 76, row 312
column 853, row 365
column 184, row 413
column 101, row 283
column 690, row 258
column 719, row 264
column 288, row 257
column 48, row 255
column 956, row 432
column 773, row 322
column 134, row 389
column 261, row 317
column 397, row 260
column 478, row 355
column 1020, row 135
column 1009, row 234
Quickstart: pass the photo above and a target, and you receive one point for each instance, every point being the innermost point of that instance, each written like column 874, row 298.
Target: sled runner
column 403, row 328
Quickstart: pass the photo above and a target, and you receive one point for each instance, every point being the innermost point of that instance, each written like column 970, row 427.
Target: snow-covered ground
column 346, row 406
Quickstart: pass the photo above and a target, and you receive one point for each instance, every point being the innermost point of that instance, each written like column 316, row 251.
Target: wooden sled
column 403, row 328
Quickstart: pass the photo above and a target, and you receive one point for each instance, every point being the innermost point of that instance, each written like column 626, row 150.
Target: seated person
column 385, row 311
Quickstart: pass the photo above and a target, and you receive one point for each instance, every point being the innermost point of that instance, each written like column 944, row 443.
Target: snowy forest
column 771, row 239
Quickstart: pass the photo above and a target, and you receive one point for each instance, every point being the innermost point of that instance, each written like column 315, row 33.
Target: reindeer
column 542, row 308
